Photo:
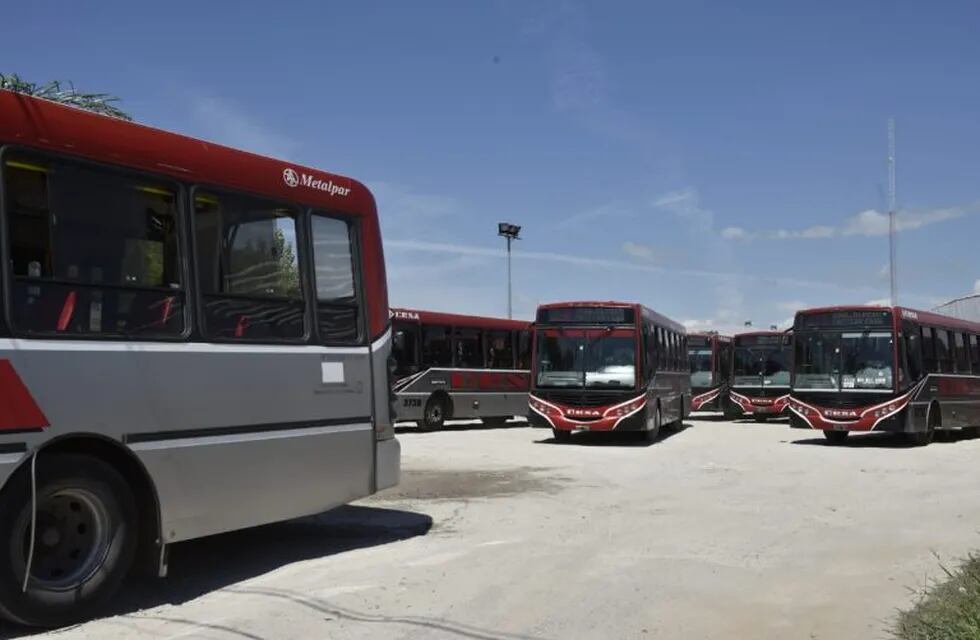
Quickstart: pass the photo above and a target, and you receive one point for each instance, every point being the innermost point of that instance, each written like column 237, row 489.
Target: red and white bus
column 450, row 366
column 710, row 359
column 605, row 366
column 193, row 339
column 760, row 375
column 859, row 369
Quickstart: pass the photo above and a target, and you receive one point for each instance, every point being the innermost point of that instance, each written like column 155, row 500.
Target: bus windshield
column 700, row 361
column 599, row 361
column 766, row 365
column 836, row 360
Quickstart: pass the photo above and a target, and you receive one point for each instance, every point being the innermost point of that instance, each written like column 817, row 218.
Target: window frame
column 188, row 283
column 360, row 299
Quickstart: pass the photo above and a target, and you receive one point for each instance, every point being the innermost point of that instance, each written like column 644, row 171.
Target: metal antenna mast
column 891, row 211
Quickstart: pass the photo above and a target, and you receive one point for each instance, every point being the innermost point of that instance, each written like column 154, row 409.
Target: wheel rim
column 71, row 541
column 435, row 413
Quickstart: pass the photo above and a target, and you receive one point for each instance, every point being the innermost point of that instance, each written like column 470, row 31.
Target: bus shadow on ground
column 615, row 438
column 199, row 567
column 885, row 440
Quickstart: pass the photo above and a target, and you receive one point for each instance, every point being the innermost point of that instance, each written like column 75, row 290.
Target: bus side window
column 248, row 268
column 661, row 350
column 337, row 305
column 524, row 349
column 436, row 348
column 500, row 349
column 93, row 252
column 929, row 361
column 944, row 352
column 975, row 353
column 468, row 352
column 913, row 353
column 962, row 357
column 405, row 348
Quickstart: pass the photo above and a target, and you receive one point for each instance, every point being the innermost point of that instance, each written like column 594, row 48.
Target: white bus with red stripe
column 193, row 339
column 453, row 366
column 893, row 369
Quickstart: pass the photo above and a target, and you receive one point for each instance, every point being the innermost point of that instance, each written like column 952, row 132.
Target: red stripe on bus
column 17, row 407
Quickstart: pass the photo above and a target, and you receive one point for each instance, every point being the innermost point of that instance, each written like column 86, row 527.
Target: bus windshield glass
column 700, row 360
column 835, row 360
column 762, row 364
column 592, row 361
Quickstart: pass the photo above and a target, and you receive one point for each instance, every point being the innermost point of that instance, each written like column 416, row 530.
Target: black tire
column 496, row 421
column 762, row 418
column 650, row 435
column 922, row 438
column 85, row 542
column 561, row 436
column 434, row 415
column 836, row 437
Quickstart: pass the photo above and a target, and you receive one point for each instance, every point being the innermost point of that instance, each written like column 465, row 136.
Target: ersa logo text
column 294, row 179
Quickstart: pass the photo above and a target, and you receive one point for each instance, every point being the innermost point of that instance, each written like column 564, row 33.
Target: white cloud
column 586, row 261
column 884, row 272
column 224, row 122
column 878, row 302
column 686, row 204
column 976, row 287
column 736, row 233
column 867, row 223
column 639, row 251
column 396, row 200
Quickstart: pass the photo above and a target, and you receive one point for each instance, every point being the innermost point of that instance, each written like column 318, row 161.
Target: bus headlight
column 624, row 409
column 884, row 411
column 542, row 407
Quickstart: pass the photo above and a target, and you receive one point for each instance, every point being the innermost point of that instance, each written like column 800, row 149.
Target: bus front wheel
column 561, row 436
column 836, row 437
column 652, row 433
column 85, row 530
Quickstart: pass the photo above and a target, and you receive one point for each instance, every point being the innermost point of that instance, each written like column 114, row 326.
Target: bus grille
column 580, row 399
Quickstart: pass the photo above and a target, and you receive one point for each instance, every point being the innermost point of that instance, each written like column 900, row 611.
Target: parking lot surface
column 722, row 530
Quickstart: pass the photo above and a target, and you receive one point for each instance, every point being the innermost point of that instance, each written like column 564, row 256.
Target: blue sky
column 717, row 161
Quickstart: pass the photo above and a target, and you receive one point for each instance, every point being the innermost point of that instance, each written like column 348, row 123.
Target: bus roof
column 50, row 126
column 459, row 320
column 710, row 335
column 646, row 311
column 904, row 313
column 750, row 334
column 43, row 124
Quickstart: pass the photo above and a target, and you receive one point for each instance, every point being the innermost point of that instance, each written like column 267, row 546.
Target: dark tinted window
column 661, row 349
column 975, row 353
column 524, row 350
column 336, row 297
column 405, row 347
column 500, row 349
column 469, row 355
column 944, row 353
column 92, row 251
column 962, row 356
column 436, row 350
column 248, row 268
column 913, row 352
column 929, row 363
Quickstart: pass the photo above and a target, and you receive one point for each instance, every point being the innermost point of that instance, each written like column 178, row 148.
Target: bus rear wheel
column 434, row 415
column 84, row 540
column 836, row 437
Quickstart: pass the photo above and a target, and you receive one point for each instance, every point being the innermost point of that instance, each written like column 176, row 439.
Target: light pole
column 509, row 231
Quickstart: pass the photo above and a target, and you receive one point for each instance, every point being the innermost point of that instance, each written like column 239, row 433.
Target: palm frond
column 57, row 91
